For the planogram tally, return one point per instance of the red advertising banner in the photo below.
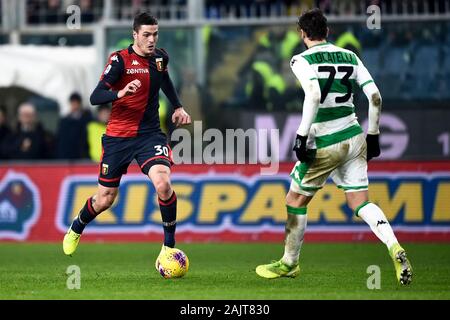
(38, 201)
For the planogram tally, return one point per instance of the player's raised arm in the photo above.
(112, 73)
(308, 79)
(365, 81)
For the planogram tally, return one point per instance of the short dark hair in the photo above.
(75, 97)
(103, 107)
(143, 19)
(314, 24)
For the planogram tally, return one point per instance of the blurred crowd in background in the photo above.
(410, 64)
(78, 134)
(54, 11)
(246, 67)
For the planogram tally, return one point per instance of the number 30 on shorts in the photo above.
(161, 150)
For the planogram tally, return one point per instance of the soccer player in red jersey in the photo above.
(132, 80)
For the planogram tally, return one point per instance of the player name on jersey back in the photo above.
(339, 73)
(331, 57)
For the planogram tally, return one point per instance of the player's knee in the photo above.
(354, 204)
(297, 200)
(289, 199)
(355, 199)
(163, 188)
(105, 202)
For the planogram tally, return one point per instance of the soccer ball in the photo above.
(172, 263)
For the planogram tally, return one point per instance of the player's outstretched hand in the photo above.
(129, 89)
(181, 117)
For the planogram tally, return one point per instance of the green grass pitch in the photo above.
(219, 271)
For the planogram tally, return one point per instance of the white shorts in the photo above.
(345, 162)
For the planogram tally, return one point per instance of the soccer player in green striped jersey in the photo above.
(330, 143)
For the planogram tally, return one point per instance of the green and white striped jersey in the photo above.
(339, 72)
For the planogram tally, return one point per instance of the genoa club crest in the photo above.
(105, 169)
(159, 64)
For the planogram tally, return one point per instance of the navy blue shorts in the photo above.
(118, 153)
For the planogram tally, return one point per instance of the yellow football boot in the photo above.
(70, 242)
(403, 268)
(277, 269)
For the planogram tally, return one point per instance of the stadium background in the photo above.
(230, 65)
(229, 62)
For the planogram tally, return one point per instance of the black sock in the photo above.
(169, 217)
(86, 215)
